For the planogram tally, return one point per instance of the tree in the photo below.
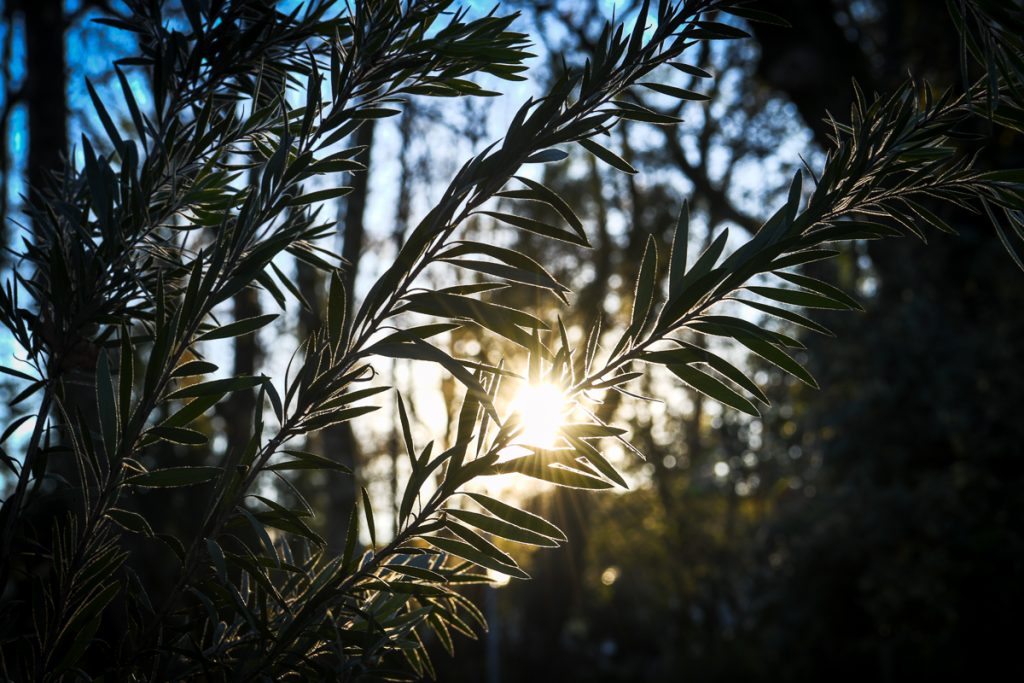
(137, 251)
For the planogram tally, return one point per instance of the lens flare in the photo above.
(541, 410)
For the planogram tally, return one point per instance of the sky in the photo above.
(92, 47)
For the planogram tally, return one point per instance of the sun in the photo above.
(540, 409)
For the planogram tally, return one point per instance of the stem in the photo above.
(14, 503)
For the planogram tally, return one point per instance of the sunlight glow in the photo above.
(541, 410)
(498, 579)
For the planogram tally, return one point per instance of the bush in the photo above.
(136, 250)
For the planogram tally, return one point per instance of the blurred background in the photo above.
(871, 529)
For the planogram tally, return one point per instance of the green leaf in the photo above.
(788, 315)
(192, 410)
(607, 156)
(337, 302)
(501, 319)
(680, 246)
(308, 461)
(174, 476)
(773, 354)
(823, 288)
(132, 521)
(717, 29)
(538, 227)
(368, 512)
(106, 404)
(597, 460)
(217, 386)
(546, 195)
(590, 430)
(796, 297)
(179, 435)
(193, 368)
(498, 527)
(678, 93)
(701, 269)
(126, 377)
(17, 373)
(238, 328)
(690, 70)
(758, 16)
(631, 111)
(520, 518)
(555, 466)
(320, 196)
(410, 448)
(689, 354)
(467, 552)
(515, 259)
(108, 124)
(421, 350)
(714, 388)
(643, 296)
(546, 156)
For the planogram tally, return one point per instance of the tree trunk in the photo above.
(339, 442)
(45, 89)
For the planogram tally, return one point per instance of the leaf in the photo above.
(351, 538)
(518, 261)
(689, 354)
(797, 297)
(132, 521)
(512, 274)
(714, 388)
(238, 328)
(526, 520)
(672, 91)
(498, 527)
(690, 70)
(538, 227)
(217, 386)
(193, 368)
(421, 350)
(701, 269)
(773, 354)
(410, 448)
(643, 296)
(368, 512)
(108, 124)
(788, 315)
(758, 16)
(320, 196)
(607, 156)
(504, 320)
(174, 476)
(597, 460)
(680, 246)
(553, 466)
(337, 302)
(468, 552)
(544, 194)
(179, 435)
(106, 405)
(17, 373)
(13, 426)
(308, 461)
(823, 288)
(192, 410)
(546, 156)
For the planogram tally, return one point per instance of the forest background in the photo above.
(870, 528)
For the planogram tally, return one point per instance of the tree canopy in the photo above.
(162, 239)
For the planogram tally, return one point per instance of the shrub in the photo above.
(136, 248)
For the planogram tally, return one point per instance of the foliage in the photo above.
(134, 251)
